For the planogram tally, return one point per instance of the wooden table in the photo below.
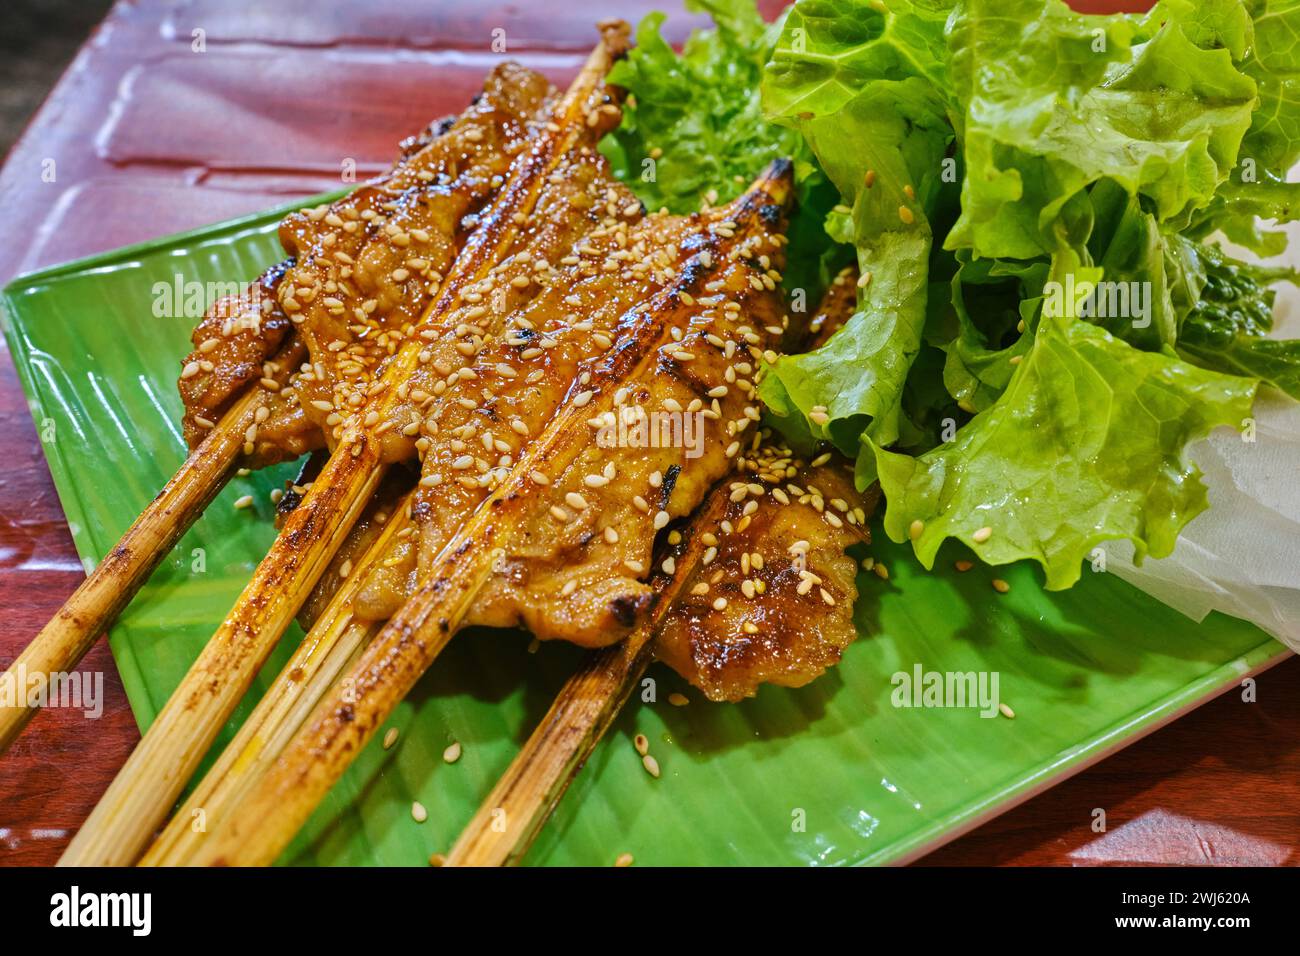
(175, 116)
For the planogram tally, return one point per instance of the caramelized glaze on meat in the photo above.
(771, 600)
(361, 271)
(576, 562)
(232, 342)
(835, 309)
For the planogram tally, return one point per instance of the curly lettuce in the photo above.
(1043, 323)
(1089, 150)
(1085, 446)
(694, 132)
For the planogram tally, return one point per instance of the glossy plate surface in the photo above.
(832, 773)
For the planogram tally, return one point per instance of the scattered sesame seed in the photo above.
(390, 738)
(624, 859)
(418, 813)
(1001, 586)
(963, 565)
(651, 765)
(982, 535)
(1006, 712)
(678, 700)
(452, 753)
(244, 501)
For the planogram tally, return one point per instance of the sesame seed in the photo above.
(452, 753)
(642, 744)
(678, 700)
(916, 529)
(1006, 711)
(624, 859)
(651, 765)
(245, 501)
(982, 535)
(390, 738)
(1001, 586)
(418, 813)
(575, 501)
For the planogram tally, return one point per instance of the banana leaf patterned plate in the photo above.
(833, 773)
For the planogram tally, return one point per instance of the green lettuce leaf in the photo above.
(862, 83)
(693, 130)
(1085, 446)
(1054, 101)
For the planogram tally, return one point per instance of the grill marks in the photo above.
(360, 274)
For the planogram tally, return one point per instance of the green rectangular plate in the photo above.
(828, 774)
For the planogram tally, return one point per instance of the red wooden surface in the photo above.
(150, 137)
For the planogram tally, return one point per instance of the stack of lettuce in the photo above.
(1043, 326)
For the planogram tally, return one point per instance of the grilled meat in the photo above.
(233, 342)
(771, 601)
(576, 565)
(361, 272)
(835, 309)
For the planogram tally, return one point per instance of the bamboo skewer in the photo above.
(150, 781)
(332, 643)
(509, 819)
(138, 800)
(99, 599)
(277, 807)
(513, 814)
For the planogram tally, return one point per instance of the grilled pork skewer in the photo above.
(236, 403)
(366, 442)
(713, 626)
(299, 680)
(719, 650)
(537, 528)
